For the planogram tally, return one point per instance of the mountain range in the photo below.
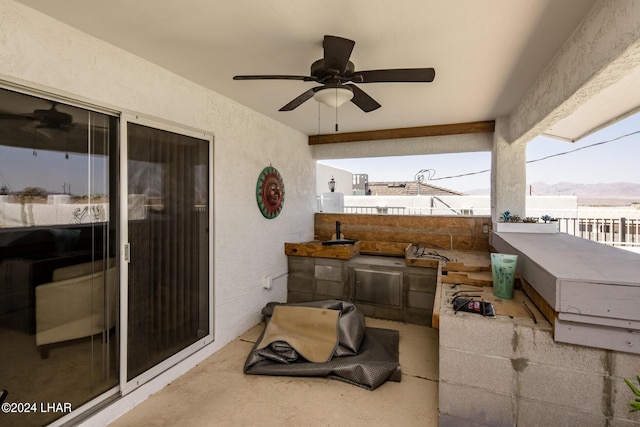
(615, 193)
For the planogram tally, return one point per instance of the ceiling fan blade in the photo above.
(10, 116)
(417, 75)
(362, 100)
(295, 103)
(275, 77)
(337, 51)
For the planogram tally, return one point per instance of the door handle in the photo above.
(127, 252)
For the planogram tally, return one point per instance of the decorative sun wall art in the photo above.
(270, 192)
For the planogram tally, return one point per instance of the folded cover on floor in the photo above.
(308, 331)
(364, 356)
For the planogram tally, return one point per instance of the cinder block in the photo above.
(475, 334)
(332, 289)
(451, 421)
(581, 391)
(617, 422)
(475, 406)
(626, 365)
(296, 283)
(539, 347)
(298, 297)
(331, 262)
(418, 316)
(328, 272)
(491, 373)
(533, 413)
(621, 395)
(302, 265)
(554, 383)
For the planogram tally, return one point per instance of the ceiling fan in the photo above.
(50, 129)
(334, 71)
(45, 119)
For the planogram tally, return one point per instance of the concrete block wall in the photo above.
(506, 371)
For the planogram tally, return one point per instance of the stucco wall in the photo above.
(343, 179)
(602, 50)
(508, 173)
(39, 52)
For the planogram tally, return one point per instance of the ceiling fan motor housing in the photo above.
(319, 71)
(53, 118)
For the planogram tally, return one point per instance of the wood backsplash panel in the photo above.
(447, 232)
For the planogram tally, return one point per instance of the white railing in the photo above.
(611, 231)
(60, 211)
(610, 226)
(400, 210)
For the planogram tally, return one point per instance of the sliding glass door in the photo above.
(106, 250)
(168, 232)
(58, 257)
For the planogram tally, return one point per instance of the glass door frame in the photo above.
(127, 386)
(57, 96)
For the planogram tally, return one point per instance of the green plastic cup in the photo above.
(503, 269)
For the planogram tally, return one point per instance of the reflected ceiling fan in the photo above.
(40, 124)
(335, 72)
(51, 119)
(55, 130)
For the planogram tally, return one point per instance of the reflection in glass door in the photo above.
(168, 224)
(58, 279)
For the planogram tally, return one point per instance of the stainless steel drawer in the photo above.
(378, 287)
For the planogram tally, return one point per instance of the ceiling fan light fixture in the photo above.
(333, 97)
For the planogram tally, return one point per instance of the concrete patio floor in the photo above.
(217, 393)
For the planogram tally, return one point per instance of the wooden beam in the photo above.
(413, 132)
(541, 304)
(435, 317)
(318, 250)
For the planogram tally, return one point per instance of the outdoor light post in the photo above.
(332, 185)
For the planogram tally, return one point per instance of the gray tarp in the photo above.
(366, 357)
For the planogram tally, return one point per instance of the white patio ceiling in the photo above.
(486, 54)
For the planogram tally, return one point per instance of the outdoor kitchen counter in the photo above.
(518, 307)
(591, 289)
(512, 369)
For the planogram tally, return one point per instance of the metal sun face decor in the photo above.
(270, 192)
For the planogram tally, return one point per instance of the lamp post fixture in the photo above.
(332, 185)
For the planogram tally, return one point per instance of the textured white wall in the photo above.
(508, 173)
(603, 50)
(42, 53)
(343, 178)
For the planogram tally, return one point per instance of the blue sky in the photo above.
(616, 161)
(51, 170)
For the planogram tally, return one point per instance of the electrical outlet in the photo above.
(266, 282)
